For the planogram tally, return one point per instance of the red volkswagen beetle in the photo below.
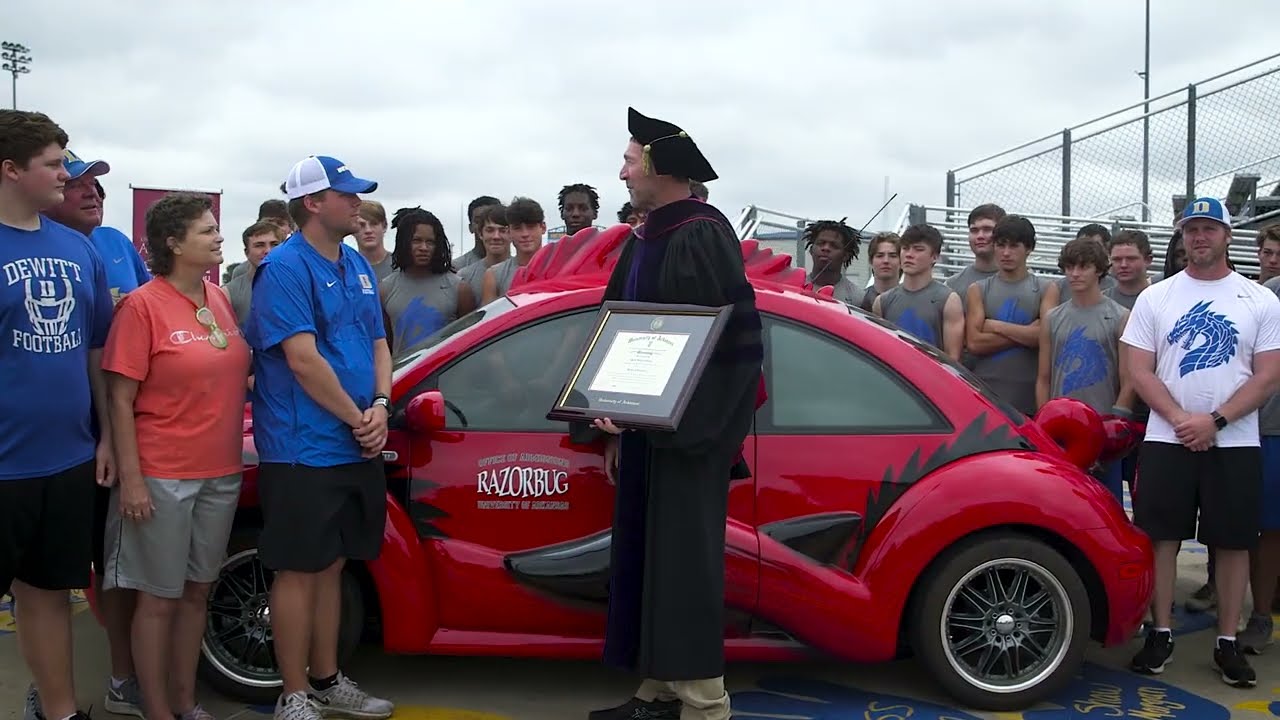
(895, 506)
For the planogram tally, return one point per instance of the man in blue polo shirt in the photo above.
(322, 372)
(81, 210)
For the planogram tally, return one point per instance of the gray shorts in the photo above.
(185, 540)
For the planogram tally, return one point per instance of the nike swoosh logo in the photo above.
(331, 283)
(118, 260)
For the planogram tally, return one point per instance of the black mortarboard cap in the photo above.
(667, 149)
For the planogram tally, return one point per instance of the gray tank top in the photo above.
(869, 298)
(1085, 346)
(382, 269)
(473, 275)
(1125, 301)
(417, 306)
(1011, 373)
(240, 290)
(918, 312)
(844, 291)
(470, 257)
(961, 281)
(1107, 283)
(503, 273)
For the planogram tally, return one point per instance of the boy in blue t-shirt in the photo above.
(55, 311)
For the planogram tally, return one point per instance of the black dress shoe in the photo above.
(637, 709)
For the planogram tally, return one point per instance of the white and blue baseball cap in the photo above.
(1206, 207)
(320, 172)
(76, 167)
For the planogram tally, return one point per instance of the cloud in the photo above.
(802, 106)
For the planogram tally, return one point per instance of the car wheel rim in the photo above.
(1007, 625)
(237, 636)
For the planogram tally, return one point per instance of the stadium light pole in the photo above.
(16, 61)
(1146, 120)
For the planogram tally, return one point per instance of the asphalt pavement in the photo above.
(453, 688)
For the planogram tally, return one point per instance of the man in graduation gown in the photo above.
(666, 603)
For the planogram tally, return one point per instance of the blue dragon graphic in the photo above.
(417, 322)
(1084, 361)
(1220, 338)
(914, 324)
(1010, 312)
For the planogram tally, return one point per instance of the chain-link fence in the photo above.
(1218, 137)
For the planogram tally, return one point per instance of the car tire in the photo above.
(1027, 643)
(237, 657)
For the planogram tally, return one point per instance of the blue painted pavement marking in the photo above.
(1097, 692)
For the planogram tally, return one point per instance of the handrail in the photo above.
(1157, 229)
(1144, 102)
(1104, 213)
(1235, 170)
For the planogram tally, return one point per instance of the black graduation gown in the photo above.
(666, 604)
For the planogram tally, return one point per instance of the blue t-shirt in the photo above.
(297, 290)
(54, 308)
(125, 269)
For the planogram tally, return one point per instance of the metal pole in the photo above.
(1191, 143)
(16, 59)
(1066, 172)
(1146, 122)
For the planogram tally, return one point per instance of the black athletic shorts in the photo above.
(312, 516)
(46, 527)
(1223, 484)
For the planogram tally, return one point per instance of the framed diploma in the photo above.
(640, 364)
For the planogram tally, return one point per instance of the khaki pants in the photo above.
(703, 699)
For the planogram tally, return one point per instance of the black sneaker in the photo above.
(1156, 652)
(1236, 671)
(637, 709)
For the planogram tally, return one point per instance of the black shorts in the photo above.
(1223, 484)
(312, 516)
(46, 530)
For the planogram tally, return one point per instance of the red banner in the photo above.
(144, 198)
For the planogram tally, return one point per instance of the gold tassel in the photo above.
(646, 162)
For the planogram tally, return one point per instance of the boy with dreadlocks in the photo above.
(579, 207)
(832, 246)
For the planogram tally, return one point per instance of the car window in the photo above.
(820, 384)
(511, 383)
(472, 319)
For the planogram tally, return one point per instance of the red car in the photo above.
(896, 506)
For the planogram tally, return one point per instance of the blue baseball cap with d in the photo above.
(76, 167)
(1206, 207)
(320, 172)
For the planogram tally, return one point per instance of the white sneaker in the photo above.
(347, 700)
(296, 706)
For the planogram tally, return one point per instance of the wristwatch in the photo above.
(382, 400)
(1218, 421)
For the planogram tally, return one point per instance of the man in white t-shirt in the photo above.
(1203, 350)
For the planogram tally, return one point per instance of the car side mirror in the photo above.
(425, 412)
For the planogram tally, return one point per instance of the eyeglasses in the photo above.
(217, 338)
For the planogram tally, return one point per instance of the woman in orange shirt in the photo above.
(177, 369)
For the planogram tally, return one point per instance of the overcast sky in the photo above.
(803, 106)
